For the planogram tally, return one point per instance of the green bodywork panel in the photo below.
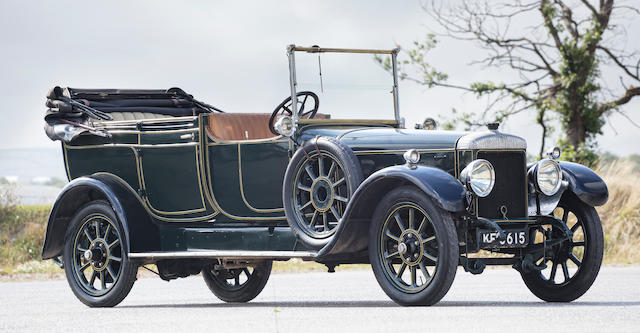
(205, 194)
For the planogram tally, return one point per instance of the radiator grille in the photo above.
(510, 189)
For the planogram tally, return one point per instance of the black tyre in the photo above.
(318, 184)
(576, 260)
(237, 285)
(95, 259)
(413, 247)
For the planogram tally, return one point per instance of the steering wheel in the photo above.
(304, 110)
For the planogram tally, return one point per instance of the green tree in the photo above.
(557, 62)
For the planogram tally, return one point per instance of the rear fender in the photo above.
(352, 234)
(140, 233)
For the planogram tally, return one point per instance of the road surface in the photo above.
(347, 301)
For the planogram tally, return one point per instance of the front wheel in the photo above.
(237, 285)
(413, 248)
(95, 260)
(573, 265)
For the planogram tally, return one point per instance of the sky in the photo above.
(230, 54)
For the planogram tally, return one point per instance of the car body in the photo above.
(194, 189)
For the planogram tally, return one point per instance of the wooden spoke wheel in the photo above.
(96, 263)
(573, 264)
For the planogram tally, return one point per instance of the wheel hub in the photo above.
(410, 247)
(322, 194)
(97, 254)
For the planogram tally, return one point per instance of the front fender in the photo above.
(352, 233)
(585, 183)
(140, 233)
(446, 191)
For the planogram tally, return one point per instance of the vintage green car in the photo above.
(158, 177)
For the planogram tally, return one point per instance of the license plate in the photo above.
(515, 238)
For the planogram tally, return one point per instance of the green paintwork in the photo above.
(175, 178)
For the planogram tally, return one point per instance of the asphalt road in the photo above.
(348, 301)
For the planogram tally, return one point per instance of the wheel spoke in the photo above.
(580, 243)
(392, 255)
(320, 166)
(401, 270)
(103, 281)
(304, 188)
(106, 232)
(332, 169)
(575, 259)
(236, 279)
(399, 221)
(86, 233)
(310, 172)
(411, 213)
(305, 205)
(324, 221)
(338, 182)
(430, 257)
(115, 242)
(423, 268)
(554, 268)
(427, 240)
(111, 273)
(93, 278)
(388, 234)
(115, 258)
(81, 249)
(313, 219)
(424, 219)
(335, 213)
(97, 225)
(565, 215)
(84, 267)
(246, 272)
(413, 276)
(341, 198)
(575, 226)
(565, 271)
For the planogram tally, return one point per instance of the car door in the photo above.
(246, 178)
(170, 169)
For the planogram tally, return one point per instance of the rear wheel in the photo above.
(95, 260)
(238, 285)
(413, 248)
(573, 265)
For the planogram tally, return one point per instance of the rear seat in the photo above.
(239, 126)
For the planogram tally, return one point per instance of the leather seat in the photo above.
(239, 126)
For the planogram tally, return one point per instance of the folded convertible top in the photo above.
(71, 102)
(78, 106)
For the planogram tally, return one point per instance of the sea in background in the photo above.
(36, 174)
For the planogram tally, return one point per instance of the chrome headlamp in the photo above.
(547, 176)
(479, 177)
(285, 126)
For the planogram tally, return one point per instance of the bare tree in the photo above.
(558, 61)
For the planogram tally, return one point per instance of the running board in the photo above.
(227, 254)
